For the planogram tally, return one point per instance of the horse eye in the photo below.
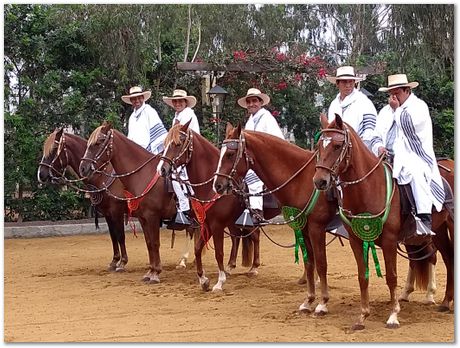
(229, 155)
(337, 147)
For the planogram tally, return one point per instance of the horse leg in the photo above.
(113, 237)
(234, 235)
(357, 248)
(255, 239)
(203, 280)
(389, 253)
(188, 244)
(445, 246)
(120, 233)
(409, 287)
(318, 241)
(218, 238)
(152, 242)
(306, 306)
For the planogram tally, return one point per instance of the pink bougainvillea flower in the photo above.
(239, 55)
(298, 77)
(281, 85)
(281, 57)
(322, 72)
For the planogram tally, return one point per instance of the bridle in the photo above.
(345, 152)
(60, 148)
(106, 148)
(240, 146)
(186, 146)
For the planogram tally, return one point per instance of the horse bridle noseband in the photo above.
(239, 145)
(60, 147)
(106, 148)
(345, 152)
(186, 147)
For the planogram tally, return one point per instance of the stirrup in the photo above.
(422, 229)
(181, 221)
(245, 220)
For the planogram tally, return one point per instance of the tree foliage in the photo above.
(68, 65)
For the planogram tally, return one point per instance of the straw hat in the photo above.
(135, 92)
(398, 81)
(253, 92)
(180, 94)
(344, 73)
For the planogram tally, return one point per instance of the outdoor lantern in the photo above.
(218, 95)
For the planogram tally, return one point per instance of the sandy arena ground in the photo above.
(58, 290)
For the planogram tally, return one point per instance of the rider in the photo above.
(261, 120)
(407, 135)
(355, 108)
(144, 126)
(182, 104)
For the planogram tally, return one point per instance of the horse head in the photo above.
(178, 149)
(233, 162)
(334, 149)
(98, 150)
(54, 160)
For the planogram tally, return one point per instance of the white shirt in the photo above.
(186, 115)
(146, 129)
(263, 121)
(358, 111)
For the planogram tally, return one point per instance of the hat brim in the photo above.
(127, 98)
(410, 84)
(265, 99)
(333, 79)
(191, 100)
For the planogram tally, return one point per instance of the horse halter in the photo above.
(345, 152)
(240, 146)
(186, 146)
(60, 148)
(106, 149)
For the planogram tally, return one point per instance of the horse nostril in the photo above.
(219, 188)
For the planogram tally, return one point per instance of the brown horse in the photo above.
(287, 170)
(365, 187)
(150, 200)
(61, 150)
(183, 147)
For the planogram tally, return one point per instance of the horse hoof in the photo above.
(111, 268)
(252, 273)
(304, 311)
(154, 281)
(302, 281)
(392, 326)
(205, 285)
(320, 313)
(120, 269)
(443, 309)
(403, 299)
(146, 278)
(357, 327)
(181, 266)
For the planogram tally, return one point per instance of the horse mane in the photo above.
(94, 135)
(49, 143)
(173, 135)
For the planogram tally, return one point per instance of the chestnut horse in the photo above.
(366, 187)
(287, 170)
(64, 149)
(150, 201)
(184, 147)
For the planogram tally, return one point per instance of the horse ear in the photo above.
(338, 121)
(323, 120)
(106, 125)
(228, 129)
(185, 126)
(238, 129)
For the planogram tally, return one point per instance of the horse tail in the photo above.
(96, 217)
(248, 251)
(420, 264)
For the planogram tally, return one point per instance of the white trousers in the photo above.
(422, 193)
(180, 189)
(255, 185)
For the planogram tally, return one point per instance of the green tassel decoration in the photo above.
(289, 214)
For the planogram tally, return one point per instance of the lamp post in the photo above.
(217, 95)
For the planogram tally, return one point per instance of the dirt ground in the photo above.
(58, 290)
